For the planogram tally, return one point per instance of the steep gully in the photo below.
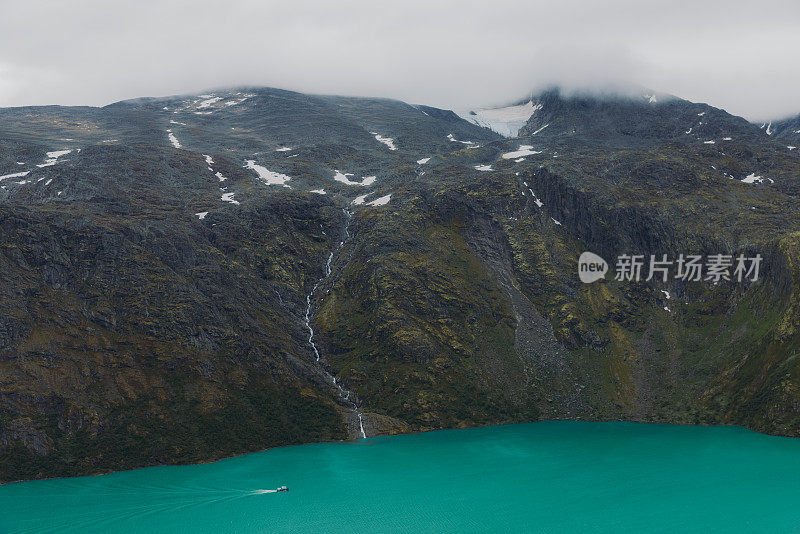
(344, 394)
(550, 381)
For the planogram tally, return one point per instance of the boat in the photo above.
(283, 488)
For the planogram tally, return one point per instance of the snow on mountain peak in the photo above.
(506, 121)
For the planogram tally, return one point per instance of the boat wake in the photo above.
(122, 503)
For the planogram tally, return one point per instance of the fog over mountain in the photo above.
(731, 54)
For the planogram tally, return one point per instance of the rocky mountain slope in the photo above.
(788, 129)
(160, 260)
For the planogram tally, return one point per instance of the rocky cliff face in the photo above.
(788, 129)
(160, 255)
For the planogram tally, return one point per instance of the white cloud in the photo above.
(730, 53)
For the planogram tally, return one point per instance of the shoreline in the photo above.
(399, 434)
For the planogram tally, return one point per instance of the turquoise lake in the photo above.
(541, 477)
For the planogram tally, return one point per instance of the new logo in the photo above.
(591, 267)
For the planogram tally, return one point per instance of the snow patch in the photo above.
(388, 141)
(210, 162)
(267, 176)
(228, 197)
(423, 161)
(318, 191)
(524, 150)
(360, 199)
(201, 215)
(536, 200)
(507, 121)
(241, 98)
(14, 175)
(752, 179)
(173, 139)
(382, 201)
(343, 177)
(471, 144)
(483, 168)
(540, 129)
(52, 157)
(209, 102)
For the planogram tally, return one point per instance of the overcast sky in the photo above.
(743, 56)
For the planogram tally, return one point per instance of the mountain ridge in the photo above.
(158, 273)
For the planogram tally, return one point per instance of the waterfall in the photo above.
(344, 394)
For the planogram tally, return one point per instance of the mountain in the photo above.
(788, 129)
(197, 276)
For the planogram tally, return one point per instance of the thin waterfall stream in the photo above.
(344, 394)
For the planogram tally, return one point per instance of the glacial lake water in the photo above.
(541, 477)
